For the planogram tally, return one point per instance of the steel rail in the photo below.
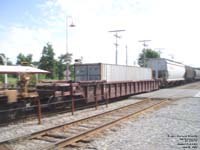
(63, 125)
(72, 140)
(116, 116)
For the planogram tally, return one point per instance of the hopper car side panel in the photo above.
(175, 71)
(189, 73)
(167, 70)
(197, 74)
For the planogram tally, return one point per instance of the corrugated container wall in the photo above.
(110, 72)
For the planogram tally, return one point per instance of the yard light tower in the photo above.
(68, 55)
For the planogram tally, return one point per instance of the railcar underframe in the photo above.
(62, 94)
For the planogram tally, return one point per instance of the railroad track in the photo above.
(65, 135)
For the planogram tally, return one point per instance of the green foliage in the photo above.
(24, 60)
(11, 80)
(41, 77)
(147, 53)
(1, 60)
(60, 67)
(71, 68)
(1, 78)
(47, 61)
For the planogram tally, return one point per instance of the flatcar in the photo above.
(96, 81)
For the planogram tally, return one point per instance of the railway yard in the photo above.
(66, 88)
(165, 119)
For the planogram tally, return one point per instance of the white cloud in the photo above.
(172, 25)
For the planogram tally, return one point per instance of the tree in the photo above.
(147, 53)
(60, 67)
(3, 63)
(24, 60)
(71, 69)
(1, 60)
(47, 61)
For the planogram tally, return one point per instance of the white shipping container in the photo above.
(167, 69)
(111, 72)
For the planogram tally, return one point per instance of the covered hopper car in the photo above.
(197, 74)
(172, 72)
(169, 71)
(189, 73)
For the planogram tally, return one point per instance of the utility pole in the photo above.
(145, 45)
(68, 55)
(116, 43)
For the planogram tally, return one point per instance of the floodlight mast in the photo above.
(68, 55)
(116, 43)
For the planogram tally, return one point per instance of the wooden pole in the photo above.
(72, 99)
(39, 110)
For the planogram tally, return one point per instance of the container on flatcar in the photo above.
(110, 72)
(166, 69)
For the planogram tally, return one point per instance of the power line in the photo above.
(116, 43)
(144, 43)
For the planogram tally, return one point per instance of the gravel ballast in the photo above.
(23, 128)
(173, 127)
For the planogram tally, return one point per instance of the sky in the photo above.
(173, 26)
